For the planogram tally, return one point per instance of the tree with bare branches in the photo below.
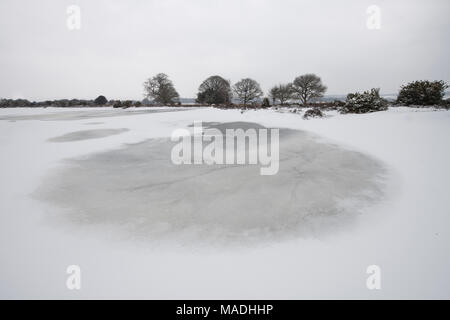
(282, 93)
(307, 87)
(247, 90)
(214, 90)
(161, 89)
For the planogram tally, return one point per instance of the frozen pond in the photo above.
(320, 188)
(348, 195)
(87, 134)
(87, 114)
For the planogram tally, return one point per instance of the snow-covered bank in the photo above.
(407, 235)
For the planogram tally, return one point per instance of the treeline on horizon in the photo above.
(304, 91)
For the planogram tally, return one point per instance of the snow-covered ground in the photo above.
(406, 234)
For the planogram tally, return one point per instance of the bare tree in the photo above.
(273, 94)
(247, 90)
(307, 87)
(161, 89)
(214, 90)
(281, 92)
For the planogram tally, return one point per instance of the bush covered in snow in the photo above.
(368, 101)
(313, 113)
(127, 104)
(100, 100)
(422, 93)
(265, 103)
(62, 103)
(11, 103)
(445, 104)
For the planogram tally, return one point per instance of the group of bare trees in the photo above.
(303, 88)
(217, 90)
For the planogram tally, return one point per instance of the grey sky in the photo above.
(121, 43)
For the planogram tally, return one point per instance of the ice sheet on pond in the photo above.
(87, 134)
(88, 114)
(320, 189)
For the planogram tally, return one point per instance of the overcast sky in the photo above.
(121, 43)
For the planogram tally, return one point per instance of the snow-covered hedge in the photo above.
(423, 93)
(368, 101)
(313, 113)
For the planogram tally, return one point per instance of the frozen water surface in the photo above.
(87, 114)
(320, 188)
(87, 134)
